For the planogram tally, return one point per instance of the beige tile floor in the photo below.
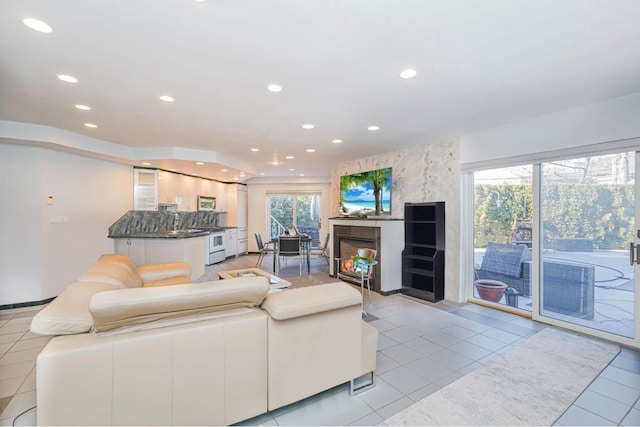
(422, 348)
(18, 351)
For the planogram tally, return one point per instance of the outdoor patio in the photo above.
(613, 307)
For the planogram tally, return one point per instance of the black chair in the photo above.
(289, 247)
(264, 249)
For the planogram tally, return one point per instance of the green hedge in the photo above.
(602, 213)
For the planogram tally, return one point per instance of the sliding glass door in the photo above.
(502, 236)
(553, 239)
(587, 223)
(289, 210)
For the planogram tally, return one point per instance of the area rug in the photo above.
(531, 384)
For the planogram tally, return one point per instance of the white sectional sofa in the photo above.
(210, 353)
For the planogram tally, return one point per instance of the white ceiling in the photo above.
(480, 64)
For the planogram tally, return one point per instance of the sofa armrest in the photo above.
(166, 270)
(310, 300)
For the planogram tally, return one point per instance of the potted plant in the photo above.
(490, 290)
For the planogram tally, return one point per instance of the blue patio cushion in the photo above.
(505, 259)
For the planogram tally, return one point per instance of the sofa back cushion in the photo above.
(69, 312)
(114, 269)
(111, 310)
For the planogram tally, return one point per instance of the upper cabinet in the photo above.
(183, 191)
(145, 189)
(237, 200)
(167, 187)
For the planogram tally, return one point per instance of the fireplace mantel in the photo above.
(391, 246)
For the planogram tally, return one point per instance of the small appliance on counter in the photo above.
(206, 203)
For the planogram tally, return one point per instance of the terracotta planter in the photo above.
(490, 290)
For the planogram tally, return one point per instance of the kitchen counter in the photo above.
(181, 234)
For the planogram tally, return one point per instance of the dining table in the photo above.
(305, 241)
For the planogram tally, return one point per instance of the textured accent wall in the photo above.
(425, 173)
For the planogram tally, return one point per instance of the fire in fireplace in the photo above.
(346, 242)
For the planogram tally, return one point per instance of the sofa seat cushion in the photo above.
(311, 300)
(111, 310)
(179, 280)
(114, 273)
(167, 270)
(69, 312)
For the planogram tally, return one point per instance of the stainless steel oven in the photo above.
(215, 247)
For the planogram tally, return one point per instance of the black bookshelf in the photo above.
(423, 255)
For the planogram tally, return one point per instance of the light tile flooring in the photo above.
(422, 348)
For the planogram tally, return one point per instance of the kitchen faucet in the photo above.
(176, 219)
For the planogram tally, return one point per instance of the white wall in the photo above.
(611, 120)
(257, 207)
(425, 173)
(39, 259)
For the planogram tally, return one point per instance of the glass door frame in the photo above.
(294, 195)
(467, 237)
(536, 313)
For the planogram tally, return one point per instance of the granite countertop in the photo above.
(181, 234)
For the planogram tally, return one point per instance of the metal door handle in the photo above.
(634, 253)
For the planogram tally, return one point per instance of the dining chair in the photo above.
(263, 248)
(289, 247)
(324, 249)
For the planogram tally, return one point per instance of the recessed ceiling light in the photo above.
(83, 107)
(255, 149)
(275, 163)
(289, 157)
(166, 98)
(224, 170)
(308, 126)
(37, 25)
(274, 88)
(146, 164)
(242, 175)
(235, 178)
(311, 150)
(199, 163)
(337, 141)
(67, 78)
(301, 174)
(262, 173)
(91, 125)
(292, 169)
(374, 128)
(409, 73)
(200, 1)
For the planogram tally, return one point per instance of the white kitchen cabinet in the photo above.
(237, 201)
(145, 189)
(153, 251)
(167, 187)
(221, 196)
(230, 242)
(186, 193)
(243, 241)
(133, 248)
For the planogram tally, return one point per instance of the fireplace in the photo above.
(348, 239)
